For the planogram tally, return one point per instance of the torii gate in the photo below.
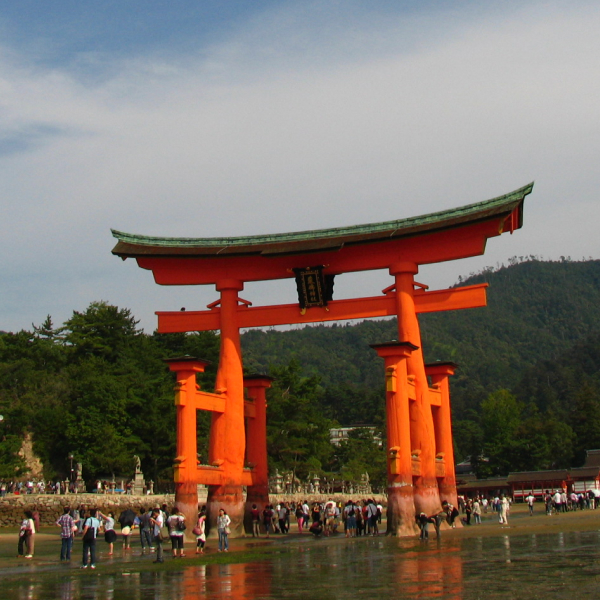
(419, 437)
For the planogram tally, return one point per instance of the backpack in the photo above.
(180, 524)
(90, 534)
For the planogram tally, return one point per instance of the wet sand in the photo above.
(520, 523)
(468, 562)
(47, 545)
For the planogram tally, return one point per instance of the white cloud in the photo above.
(254, 136)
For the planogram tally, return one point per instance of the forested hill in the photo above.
(525, 396)
(536, 310)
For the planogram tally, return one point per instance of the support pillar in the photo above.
(256, 446)
(401, 506)
(426, 493)
(227, 435)
(186, 466)
(442, 421)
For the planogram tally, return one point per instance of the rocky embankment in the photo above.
(50, 506)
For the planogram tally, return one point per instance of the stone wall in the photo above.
(50, 506)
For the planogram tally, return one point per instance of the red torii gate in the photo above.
(419, 436)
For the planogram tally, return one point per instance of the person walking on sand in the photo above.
(67, 530)
(477, 511)
(176, 525)
(145, 531)
(423, 523)
(26, 535)
(110, 535)
(255, 516)
(268, 518)
(530, 502)
(350, 519)
(299, 512)
(372, 513)
(157, 522)
(200, 531)
(90, 530)
(223, 522)
(437, 521)
(503, 514)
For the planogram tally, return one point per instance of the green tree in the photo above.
(584, 418)
(500, 419)
(541, 442)
(362, 452)
(297, 431)
(101, 330)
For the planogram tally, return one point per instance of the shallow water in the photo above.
(529, 566)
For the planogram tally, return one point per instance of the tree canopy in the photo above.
(525, 395)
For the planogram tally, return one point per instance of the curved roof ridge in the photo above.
(394, 226)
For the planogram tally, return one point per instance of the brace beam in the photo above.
(472, 296)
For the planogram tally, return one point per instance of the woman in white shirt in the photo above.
(176, 525)
(110, 535)
(223, 522)
(26, 535)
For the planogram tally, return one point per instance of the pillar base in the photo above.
(427, 497)
(448, 492)
(401, 511)
(229, 498)
(186, 501)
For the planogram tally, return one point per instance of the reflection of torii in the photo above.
(138, 463)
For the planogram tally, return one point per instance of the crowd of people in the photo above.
(471, 508)
(41, 486)
(559, 501)
(154, 527)
(31, 486)
(158, 525)
(319, 518)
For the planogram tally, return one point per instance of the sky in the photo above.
(207, 118)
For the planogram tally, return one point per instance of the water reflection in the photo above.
(452, 569)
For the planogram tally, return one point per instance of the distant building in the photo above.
(339, 434)
(468, 485)
(521, 484)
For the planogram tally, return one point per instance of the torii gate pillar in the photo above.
(422, 435)
(442, 418)
(186, 463)
(401, 506)
(227, 435)
(256, 445)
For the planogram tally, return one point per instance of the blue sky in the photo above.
(231, 118)
(61, 31)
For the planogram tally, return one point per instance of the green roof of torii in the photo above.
(131, 245)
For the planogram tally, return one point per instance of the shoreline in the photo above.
(47, 543)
